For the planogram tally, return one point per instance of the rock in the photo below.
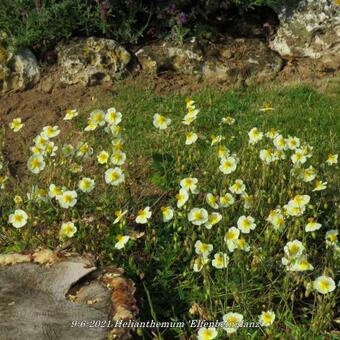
(44, 293)
(231, 60)
(164, 56)
(240, 60)
(18, 71)
(309, 28)
(92, 61)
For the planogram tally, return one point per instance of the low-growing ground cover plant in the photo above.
(221, 206)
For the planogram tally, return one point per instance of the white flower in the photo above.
(280, 142)
(294, 249)
(319, 185)
(16, 124)
(226, 200)
(97, 118)
(228, 165)
(213, 219)
(324, 284)
(121, 241)
(119, 215)
(67, 199)
(68, 229)
(182, 198)
(267, 156)
(254, 135)
(220, 260)
(36, 164)
(238, 187)
(18, 219)
(70, 114)
(161, 122)
(299, 157)
(332, 159)
(212, 200)
(232, 322)
(198, 216)
(103, 157)
(114, 176)
(207, 333)
(245, 224)
(143, 215)
(293, 143)
(189, 184)
(312, 225)
(267, 318)
(199, 263)
(113, 117)
(50, 132)
(191, 138)
(167, 213)
(231, 237)
(118, 158)
(86, 184)
(54, 191)
(203, 249)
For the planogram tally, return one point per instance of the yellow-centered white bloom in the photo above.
(280, 142)
(226, 200)
(50, 131)
(272, 133)
(191, 138)
(182, 198)
(91, 126)
(248, 200)
(198, 216)
(70, 114)
(117, 144)
(277, 219)
(267, 155)
(51, 149)
(36, 150)
(331, 236)
(213, 219)
(266, 107)
(299, 157)
(299, 201)
(215, 139)
(231, 236)
(267, 318)
(121, 241)
(84, 150)
(68, 229)
(18, 219)
(67, 199)
(119, 215)
(294, 249)
(319, 185)
(86, 184)
(167, 213)
(36, 164)
(246, 224)
(212, 200)
(118, 158)
(228, 120)
(293, 143)
(220, 261)
(97, 117)
(41, 141)
(161, 122)
(312, 225)
(189, 184)
(228, 165)
(199, 263)
(203, 249)
(114, 176)
(238, 187)
(54, 190)
(223, 152)
(103, 157)
(143, 215)
(332, 159)
(232, 321)
(255, 135)
(207, 333)
(309, 174)
(324, 284)
(112, 116)
(300, 265)
(242, 244)
(16, 124)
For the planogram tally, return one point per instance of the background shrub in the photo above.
(40, 24)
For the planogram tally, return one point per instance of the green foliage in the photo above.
(40, 24)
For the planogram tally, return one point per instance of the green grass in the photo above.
(160, 261)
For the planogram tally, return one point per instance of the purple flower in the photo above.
(182, 18)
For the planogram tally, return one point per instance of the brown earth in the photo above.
(46, 105)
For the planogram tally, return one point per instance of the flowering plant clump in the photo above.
(240, 227)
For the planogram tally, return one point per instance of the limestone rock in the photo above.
(18, 71)
(92, 61)
(309, 28)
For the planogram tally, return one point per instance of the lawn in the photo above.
(241, 235)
